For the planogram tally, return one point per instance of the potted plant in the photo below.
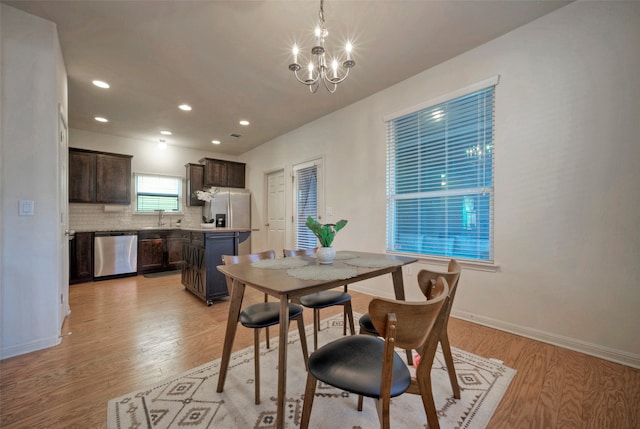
(325, 234)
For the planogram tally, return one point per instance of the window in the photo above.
(440, 177)
(158, 193)
(306, 201)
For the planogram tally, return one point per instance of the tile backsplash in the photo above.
(101, 217)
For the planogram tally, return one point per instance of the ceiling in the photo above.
(229, 59)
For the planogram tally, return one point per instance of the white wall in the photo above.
(567, 204)
(33, 87)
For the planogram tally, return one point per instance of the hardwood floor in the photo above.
(127, 333)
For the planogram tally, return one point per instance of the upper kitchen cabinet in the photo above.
(99, 177)
(195, 182)
(82, 167)
(218, 172)
(235, 174)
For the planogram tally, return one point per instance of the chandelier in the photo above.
(318, 70)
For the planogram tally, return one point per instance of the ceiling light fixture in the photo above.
(318, 69)
(101, 119)
(101, 84)
(166, 133)
(215, 141)
(244, 122)
(184, 107)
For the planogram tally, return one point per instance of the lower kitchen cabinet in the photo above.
(160, 250)
(202, 255)
(81, 258)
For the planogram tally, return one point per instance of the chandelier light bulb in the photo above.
(295, 54)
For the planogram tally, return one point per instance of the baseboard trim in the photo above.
(606, 353)
(21, 349)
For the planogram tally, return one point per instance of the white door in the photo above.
(308, 200)
(63, 228)
(275, 211)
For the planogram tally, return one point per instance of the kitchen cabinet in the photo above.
(160, 250)
(222, 173)
(202, 255)
(99, 177)
(81, 258)
(235, 174)
(195, 182)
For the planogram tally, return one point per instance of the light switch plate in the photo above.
(27, 207)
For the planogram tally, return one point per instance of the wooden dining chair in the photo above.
(324, 299)
(370, 366)
(264, 314)
(426, 280)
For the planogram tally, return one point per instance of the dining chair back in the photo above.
(324, 299)
(428, 285)
(370, 366)
(263, 315)
(426, 279)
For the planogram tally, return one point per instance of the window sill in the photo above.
(491, 267)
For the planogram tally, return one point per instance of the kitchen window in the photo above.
(440, 170)
(158, 193)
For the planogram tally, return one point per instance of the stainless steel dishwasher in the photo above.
(115, 254)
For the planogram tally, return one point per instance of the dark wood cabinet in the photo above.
(113, 179)
(160, 250)
(81, 258)
(195, 182)
(202, 255)
(218, 172)
(150, 254)
(99, 177)
(174, 250)
(235, 174)
(82, 173)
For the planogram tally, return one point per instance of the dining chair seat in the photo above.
(324, 299)
(353, 364)
(367, 325)
(266, 314)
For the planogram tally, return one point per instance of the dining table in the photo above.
(290, 278)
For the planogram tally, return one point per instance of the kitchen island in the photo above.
(203, 252)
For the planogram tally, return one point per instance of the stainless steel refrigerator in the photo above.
(231, 208)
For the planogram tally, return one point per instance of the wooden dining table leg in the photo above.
(282, 360)
(237, 294)
(398, 288)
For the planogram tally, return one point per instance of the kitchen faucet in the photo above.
(160, 216)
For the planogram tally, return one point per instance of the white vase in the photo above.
(326, 255)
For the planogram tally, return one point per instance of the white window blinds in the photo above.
(306, 205)
(440, 178)
(157, 193)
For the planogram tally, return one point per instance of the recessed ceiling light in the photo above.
(101, 119)
(166, 133)
(244, 122)
(185, 107)
(101, 84)
(215, 141)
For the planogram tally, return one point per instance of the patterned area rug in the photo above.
(189, 400)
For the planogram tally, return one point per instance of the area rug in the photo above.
(190, 400)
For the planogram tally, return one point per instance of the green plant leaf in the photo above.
(325, 233)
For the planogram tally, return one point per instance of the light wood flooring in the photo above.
(127, 333)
